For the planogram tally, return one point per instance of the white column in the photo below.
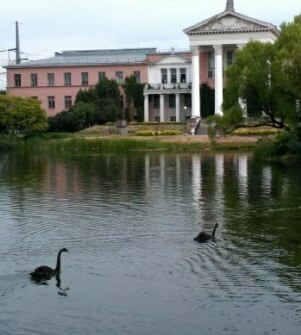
(168, 76)
(162, 108)
(146, 108)
(178, 107)
(218, 58)
(195, 63)
(178, 76)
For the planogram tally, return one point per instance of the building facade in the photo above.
(220, 36)
(172, 79)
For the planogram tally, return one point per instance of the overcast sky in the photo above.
(48, 26)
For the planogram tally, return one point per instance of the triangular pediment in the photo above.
(229, 22)
(172, 59)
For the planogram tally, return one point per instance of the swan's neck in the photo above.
(213, 233)
(58, 262)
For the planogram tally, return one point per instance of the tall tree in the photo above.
(134, 98)
(287, 65)
(267, 77)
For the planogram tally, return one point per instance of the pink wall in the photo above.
(204, 70)
(59, 91)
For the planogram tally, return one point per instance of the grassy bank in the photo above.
(119, 144)
(96, 142)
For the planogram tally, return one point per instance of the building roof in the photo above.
(90, 57)
(230, 22)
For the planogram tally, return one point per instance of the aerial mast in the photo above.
(18, 57)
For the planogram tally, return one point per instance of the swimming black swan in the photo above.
(44, 272)
(205, 237)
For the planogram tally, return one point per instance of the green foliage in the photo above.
(287, 143)
(88, 96)
(250, 77)
(207, 100)
(255, 132)
(2, 92)
(288, 56)
(226, 123)
(21, 116)
(96, 105)
(78, 117)
(267, 77)
(134, 98)
(157, 132)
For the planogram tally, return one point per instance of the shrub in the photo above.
(255, 132)
(157, 132)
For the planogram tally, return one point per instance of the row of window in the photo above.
(156, 101)
(68, 78)
(171, 100)
(51, 102)
(173, 73)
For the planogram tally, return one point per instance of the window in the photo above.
(172, 118)
(163, 76)
(17, 79)
(211, 67)
(183, 75)
(33, 79)
(173, 76)
(172, 100)
(51, 102)
(68, 102)
(119, 77)
(50, 79)
(230, 57)
(137, 76)
(67, 78)
(85, 78)
(156, 101)
(101, 75)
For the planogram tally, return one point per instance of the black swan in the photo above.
(44, 272)
(205, 237)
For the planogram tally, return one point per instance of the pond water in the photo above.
(133, 266)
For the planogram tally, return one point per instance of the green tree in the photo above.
(134, 98)
(287, 67)
(251, 78)
(78, 117)
(21, 116)
(88, 96)
(207, 100)
(105, 97)
(267, 77)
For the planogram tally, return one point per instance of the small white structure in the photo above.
(167, 96)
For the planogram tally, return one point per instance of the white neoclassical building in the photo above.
(167, 96)
(216, 40)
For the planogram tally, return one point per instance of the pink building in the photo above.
(56, 80)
